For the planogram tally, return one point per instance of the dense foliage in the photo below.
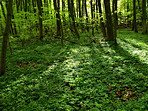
(45, 76)
(73, 55)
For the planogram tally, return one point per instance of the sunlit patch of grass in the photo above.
(135, 52)
(136, 44)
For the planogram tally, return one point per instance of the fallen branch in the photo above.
(67, 40)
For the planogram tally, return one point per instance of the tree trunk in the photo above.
(39, 3)
(128, 21)
(5, 38)
(101, 20)
(71, 14)
(83, 8)
(115, 20)
(86, 12)
(134, 16)
(80, 12)
(109, 24)
(59, 24)
(144, 25)
(1, 25)
(92, 16)
(63, 10)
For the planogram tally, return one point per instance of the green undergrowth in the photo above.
(47, 77)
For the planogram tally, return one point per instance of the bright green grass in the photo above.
(49, 77)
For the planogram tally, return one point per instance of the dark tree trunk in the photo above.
(72, 15)
(86, 16)
(80, 12)
(1, 26)
(83, 8)
(39, 3)
(97, 16)
(115, 20)
(128, 21)
(59, 24)
(57, 17)
(63, 10)
(144, 25)
(14, 25)
(101, 20)
(92, 16)
(134, 16)
(5, 38)
(109, 24)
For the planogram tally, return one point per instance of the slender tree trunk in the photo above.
(109, 24)
(59, 24)
(39, 3)
(1, 25)
(144, 25)
(3, 10)
(5, 38)
(101, 20)
(86, 12)
(57, 17)
(128, 21)
(92, 16)
(134, 16)
(80, 12)
(71, 14)
(63, 10)
(97, 16)
(14, 25)
(83, 8)
(115, 20)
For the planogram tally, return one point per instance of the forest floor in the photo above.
(44, 76)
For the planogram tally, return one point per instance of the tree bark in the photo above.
(109, 24)
(39, 3)
(63, 10)
(92, 16)
(1, 26)
(80, 12)
(101, 20)
(144, 25)
(72, 15)
(59, 24)
(115, 20)
(134, 16)
(86, 12)
(5, 38)
(128, 21)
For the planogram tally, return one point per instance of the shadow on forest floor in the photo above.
(93, 77)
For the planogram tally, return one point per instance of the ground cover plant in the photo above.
(43, 76)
